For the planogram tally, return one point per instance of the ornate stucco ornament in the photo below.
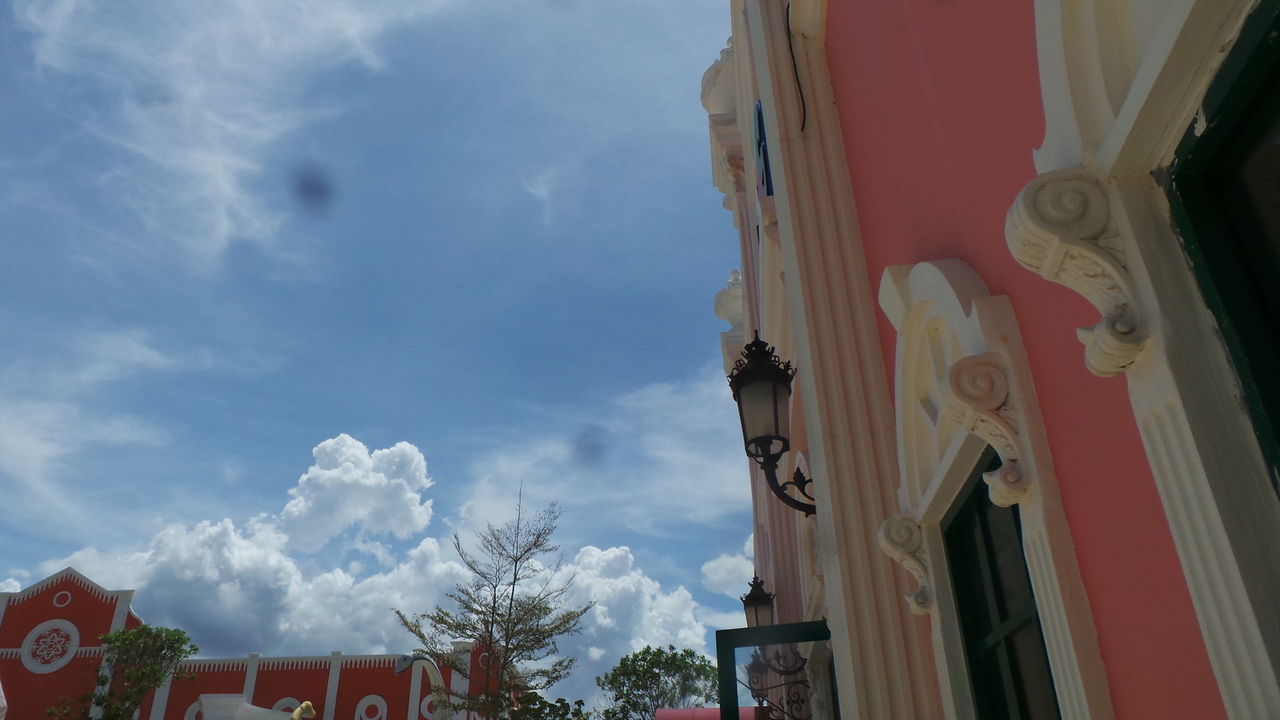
(978, 401)
(1060, 227)
(960, 371)
(902, 540)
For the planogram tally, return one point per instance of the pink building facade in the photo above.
(1024, 362)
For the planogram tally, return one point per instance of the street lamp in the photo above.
(758, 604)
(761, 385)
(773, 664)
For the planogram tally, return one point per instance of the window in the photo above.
(764, 177)
(1003, 643)
(1226, 202)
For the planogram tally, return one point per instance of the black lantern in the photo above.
(758, 604)
(761, 385)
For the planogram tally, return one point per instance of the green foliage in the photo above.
(512, 608)
(532, 706)
(649, 679)
(135, 663)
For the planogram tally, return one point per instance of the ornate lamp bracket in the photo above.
(1060, 228)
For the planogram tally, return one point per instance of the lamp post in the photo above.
(776, 669)
(758, 604)
(761, 385)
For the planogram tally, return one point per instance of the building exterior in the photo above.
(49, 650)
(1024, 258)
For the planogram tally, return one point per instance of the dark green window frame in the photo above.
(1008, 665)
(764, 173)
(1235, 264)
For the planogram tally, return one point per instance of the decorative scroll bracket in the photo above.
(902, 539)
(978, 400)
(1060, 228)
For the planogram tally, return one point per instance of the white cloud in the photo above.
(10, 585)
(240, 587)
(727, 574)
(720, 619)
(48, 416)
(37, 435)
(237, 590)
(348, 486)
(114, 355)
(198, 91)
(542, 186)
(631, 611)
(681, 463)
(689, 434)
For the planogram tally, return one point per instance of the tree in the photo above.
(136, 662)
(532, 706)
(653, 678)
(512, 608)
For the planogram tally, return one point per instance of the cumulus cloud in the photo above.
(236, 589)
(350, 486)
(196, 92)
(725, 574)
(242, 587)
(625, 597)
(631, 610)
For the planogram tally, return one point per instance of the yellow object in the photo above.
(304, 711)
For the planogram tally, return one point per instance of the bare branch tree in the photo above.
(512, 608)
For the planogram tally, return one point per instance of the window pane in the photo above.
(1008, 667)
(990, 696)
(1013, 584)
(965, 552)
(1031, 665)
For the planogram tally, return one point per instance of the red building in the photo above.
(49, 649)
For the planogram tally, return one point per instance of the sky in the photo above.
(291, 292)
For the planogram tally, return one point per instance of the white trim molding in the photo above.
(963, 384)
(1122, 83)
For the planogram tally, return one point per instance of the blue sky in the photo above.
(292, 291)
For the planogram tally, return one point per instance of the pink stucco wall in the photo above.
(940, 110)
